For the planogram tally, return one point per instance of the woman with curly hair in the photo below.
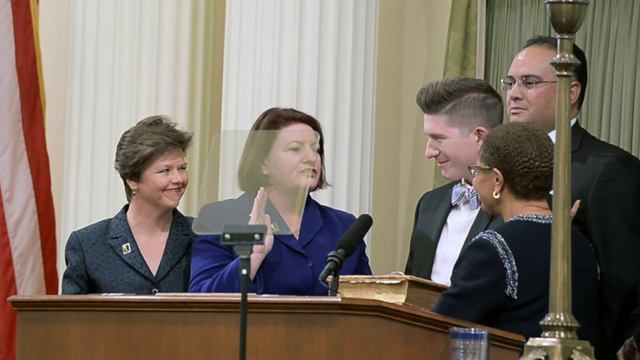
(502, 277)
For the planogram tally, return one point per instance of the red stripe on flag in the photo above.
(34, 135)
(7, 287)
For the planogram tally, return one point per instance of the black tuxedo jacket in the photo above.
(431, 215)
(607, 181)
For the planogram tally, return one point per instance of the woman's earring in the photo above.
(496, 194)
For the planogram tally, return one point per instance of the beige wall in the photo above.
(205, 98)
(54, 46)
(411, 46)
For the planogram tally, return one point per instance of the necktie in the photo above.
(465, 195)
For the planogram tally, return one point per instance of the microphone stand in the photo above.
(335, 282)
(244, 253)
(242, 238)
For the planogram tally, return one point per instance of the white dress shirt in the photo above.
(452, 238)
(552, 134)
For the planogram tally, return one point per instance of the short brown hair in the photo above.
(140, 145)
(524, 155)
(257, 147)
(467, 102)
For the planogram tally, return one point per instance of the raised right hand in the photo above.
(258, 216)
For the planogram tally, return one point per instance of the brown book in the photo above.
(399, 289)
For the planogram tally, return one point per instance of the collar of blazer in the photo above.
(311, 221)
(178, 244)
(577, 135)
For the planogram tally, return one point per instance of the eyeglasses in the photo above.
(474, 169)
(528, 82)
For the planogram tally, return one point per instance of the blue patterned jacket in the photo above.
(104, 258)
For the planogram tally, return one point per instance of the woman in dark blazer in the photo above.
(282, 160)
(501, 278)
(146, 247)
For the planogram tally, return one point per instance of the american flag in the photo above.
(27, 222)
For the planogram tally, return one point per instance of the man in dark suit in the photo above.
(458, 113)
(605, 178)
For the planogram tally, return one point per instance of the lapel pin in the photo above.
(126, 248)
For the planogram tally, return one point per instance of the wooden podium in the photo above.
(206, 326)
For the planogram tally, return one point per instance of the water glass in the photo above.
(468, 344)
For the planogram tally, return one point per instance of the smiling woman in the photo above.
(162, 183)
(146, 247)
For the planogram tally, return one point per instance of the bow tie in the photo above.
(465, 195)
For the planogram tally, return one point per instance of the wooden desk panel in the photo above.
(202, 326)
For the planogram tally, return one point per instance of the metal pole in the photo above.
(559, 339)
(245, 265)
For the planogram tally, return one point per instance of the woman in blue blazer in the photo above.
(146, 247)
(282, 160)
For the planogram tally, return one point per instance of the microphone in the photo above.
(346, 246)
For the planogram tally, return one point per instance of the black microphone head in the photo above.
(351, 238)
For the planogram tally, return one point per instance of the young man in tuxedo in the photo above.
(605, 178)
(458, 113)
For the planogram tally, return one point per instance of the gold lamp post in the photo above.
(559, 340)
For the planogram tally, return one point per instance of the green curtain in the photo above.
(610, 38)
(460, 56)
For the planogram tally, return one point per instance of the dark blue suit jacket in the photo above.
(292, 266)
(501, 279)
(104, 258)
